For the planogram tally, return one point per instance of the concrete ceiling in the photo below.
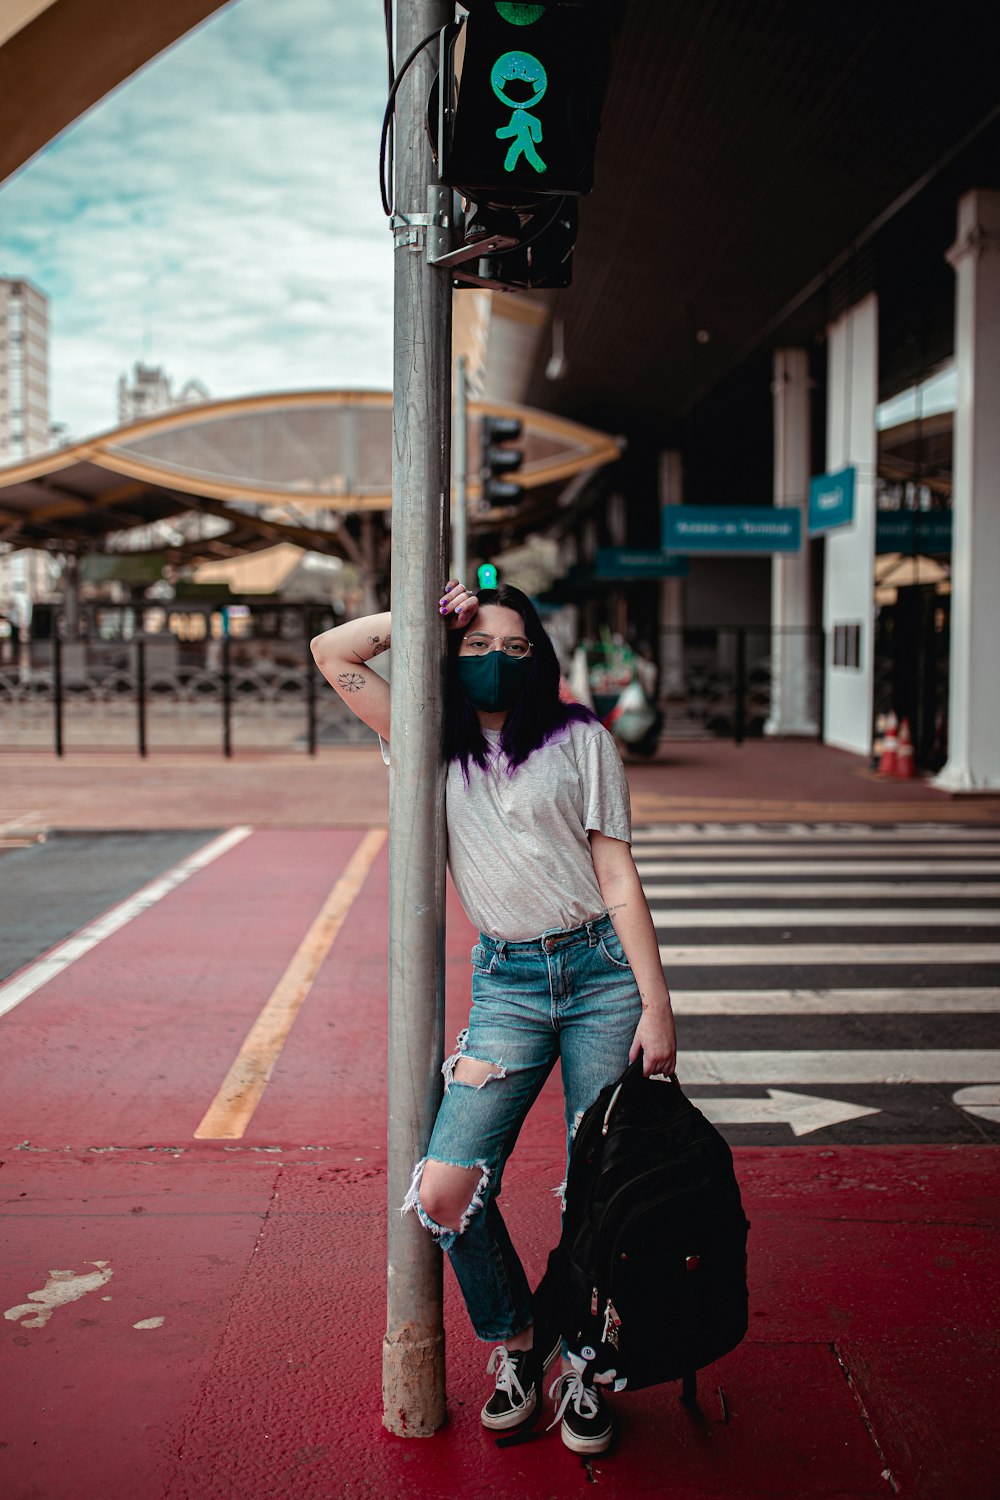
(748, 152)
(59, 59)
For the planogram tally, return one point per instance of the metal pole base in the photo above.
(413, 1397)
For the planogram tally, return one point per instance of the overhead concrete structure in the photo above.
(58, 59)
(282, 467)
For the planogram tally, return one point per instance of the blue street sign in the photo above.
(731, 528)
(831, 501)
(914, 531)
(634, 562)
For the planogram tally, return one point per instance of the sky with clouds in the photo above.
(218, 215)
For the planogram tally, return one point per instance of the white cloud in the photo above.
(218, 215)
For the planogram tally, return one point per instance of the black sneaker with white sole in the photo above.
(518, 1382)
(586, 1425)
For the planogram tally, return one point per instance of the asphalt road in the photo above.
(833, 985)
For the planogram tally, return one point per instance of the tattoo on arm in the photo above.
(350, 682)
(377, 645)
(612, 910)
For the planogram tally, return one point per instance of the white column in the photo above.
(671, 589)
(849, 561)
(974, 700)
(791, 652)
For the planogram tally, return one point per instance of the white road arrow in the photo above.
(803, 1112)
(982, 1100)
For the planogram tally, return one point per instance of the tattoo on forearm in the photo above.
(612, 910)
(350, 682)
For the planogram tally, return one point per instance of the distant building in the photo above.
(151, 392)
(24, 371)
(27, 574)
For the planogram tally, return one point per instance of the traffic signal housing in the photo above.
(522, 116)
(500, 461)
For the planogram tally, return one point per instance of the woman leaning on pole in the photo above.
(566, 966)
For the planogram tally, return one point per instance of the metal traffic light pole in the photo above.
(460, 498)
(413, 1390)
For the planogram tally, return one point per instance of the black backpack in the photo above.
(648, 1279)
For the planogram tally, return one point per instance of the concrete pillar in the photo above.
(849, 556)
(974, 704)
(791, 648)
(671, 589)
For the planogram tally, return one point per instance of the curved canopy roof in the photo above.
(276, 467)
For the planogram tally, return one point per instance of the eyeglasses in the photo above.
(482, 645)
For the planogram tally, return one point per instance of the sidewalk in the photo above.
(347, 787)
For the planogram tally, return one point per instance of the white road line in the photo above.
(820, 851)
(929, 890)
(52, 963)
(976, 999)
(17, 825)
(665, 917)
(819, 866)
(905, 1065)
(726, 955)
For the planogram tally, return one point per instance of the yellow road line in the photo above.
(233, 1107)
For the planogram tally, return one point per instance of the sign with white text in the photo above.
(831, 501)
(731, 528)
(638, 562)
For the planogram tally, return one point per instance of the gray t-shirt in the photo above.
(517, 845)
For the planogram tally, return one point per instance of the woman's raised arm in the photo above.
(342, 655)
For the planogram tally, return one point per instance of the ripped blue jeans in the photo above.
(569, 995)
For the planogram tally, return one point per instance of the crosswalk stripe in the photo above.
(712, 886)
(814, 867)
(976, 999)
(903, 1065)
(820, 851)
(881, 916)
(833, 832)
(720, 955)
(927, 890)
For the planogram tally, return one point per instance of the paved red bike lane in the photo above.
(203, 1318)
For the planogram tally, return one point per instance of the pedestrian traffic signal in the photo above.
(542, 258)
(500, 461)
(522, 117)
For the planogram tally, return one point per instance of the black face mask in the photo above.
(493, 682)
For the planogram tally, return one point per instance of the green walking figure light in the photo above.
(524, 128)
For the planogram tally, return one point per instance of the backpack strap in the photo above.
(632, 1074)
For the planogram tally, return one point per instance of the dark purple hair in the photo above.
(537, 715)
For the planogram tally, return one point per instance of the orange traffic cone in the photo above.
(887, 765)
(904, 754)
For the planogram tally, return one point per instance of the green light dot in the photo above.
(519, 15)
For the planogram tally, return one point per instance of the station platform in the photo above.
(193, 1166)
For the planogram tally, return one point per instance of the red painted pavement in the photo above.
(267, 1265)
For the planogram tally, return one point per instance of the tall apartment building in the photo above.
(27, 574)
(24, 371)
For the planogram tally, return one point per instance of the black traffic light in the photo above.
(522, 117)
(543, 257)
(500, 461)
